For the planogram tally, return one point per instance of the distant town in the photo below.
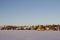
(37, 27)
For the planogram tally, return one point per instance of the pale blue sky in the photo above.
(27, 12)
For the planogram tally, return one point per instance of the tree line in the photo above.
(37, 27)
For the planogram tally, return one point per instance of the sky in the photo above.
(29, 12)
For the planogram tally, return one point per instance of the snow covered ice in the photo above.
(29, 35)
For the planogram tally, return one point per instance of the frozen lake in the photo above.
(29, 35)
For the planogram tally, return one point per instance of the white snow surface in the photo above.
(29, 35)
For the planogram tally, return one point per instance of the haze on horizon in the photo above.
(29, 12)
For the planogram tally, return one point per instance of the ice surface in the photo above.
(29, 35)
